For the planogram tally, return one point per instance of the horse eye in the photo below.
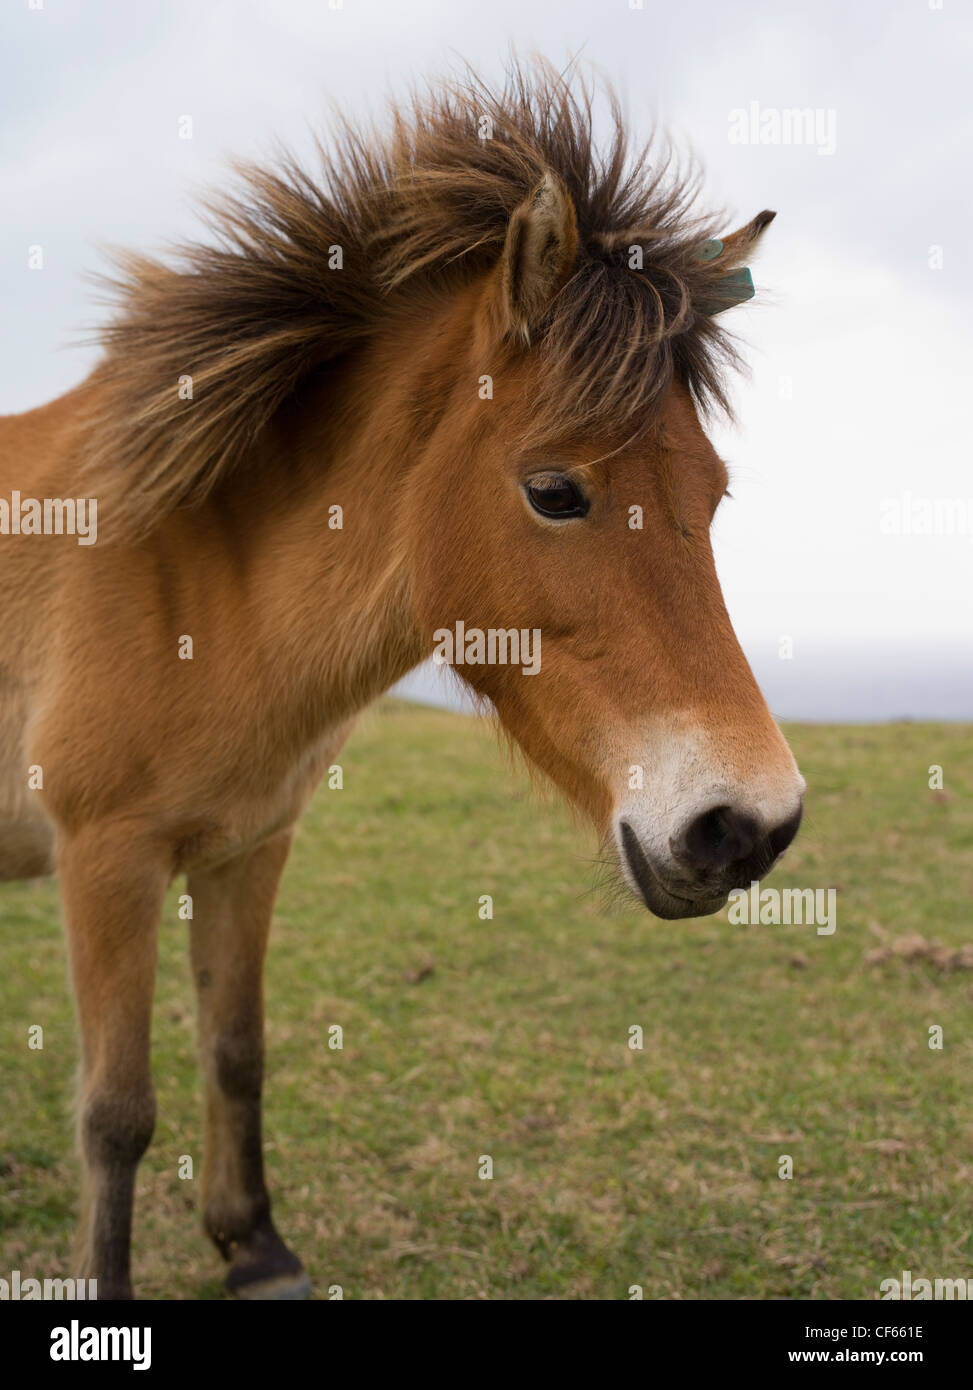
(556, 496)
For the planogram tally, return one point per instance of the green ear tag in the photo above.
(710, 250)
(735, 288)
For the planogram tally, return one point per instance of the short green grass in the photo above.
(509, 1038)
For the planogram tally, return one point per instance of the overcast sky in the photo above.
(861, 365)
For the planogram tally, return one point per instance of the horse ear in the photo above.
(726, 278)
(538, 255)
(738, 245)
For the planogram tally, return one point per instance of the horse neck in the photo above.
(332, 604)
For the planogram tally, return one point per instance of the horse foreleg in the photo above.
(112, 898)
(231, 912)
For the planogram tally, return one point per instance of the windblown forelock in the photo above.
(625, 324)
(613, 348)
(426, 205)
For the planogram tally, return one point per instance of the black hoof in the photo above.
(264, 1268)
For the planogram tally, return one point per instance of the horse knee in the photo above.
(116, 1126)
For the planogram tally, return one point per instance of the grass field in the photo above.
(509, 1038)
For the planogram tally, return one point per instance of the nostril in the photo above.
(784, 833)
(716, 839)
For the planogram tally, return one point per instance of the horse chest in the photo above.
(249, 817)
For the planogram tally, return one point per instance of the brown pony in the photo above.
(454, 379)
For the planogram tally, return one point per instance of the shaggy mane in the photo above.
(249, 316)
